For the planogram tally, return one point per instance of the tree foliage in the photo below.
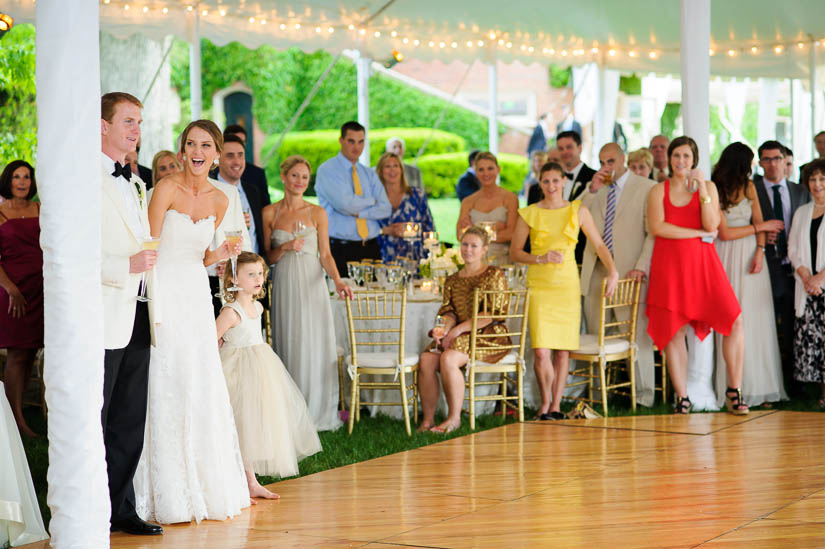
(18, 110)
(280, 80)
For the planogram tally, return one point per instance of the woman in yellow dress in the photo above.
(554, 316)
(450, 349)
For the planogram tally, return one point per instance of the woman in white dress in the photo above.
(20, 520)
(490, 203)
(191, 465)
(741, 247)
(303, 333)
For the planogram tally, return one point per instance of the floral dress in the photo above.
(414, 209)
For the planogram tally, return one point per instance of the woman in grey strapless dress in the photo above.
(490, 203)
(303, 334)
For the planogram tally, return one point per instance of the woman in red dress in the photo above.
(688, 284)
(21, 282)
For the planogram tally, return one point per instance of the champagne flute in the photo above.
(233, 238)
(148, 243)
(299, 229)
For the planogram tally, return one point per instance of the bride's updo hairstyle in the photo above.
(244, 259)
(209, 127)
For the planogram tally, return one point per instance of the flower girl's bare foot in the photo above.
(261, 492)
(256, 490)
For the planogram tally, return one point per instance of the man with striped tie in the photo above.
(354, 199)
(617, 199)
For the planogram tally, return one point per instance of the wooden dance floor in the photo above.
(644, 481)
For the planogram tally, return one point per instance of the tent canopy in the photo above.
(749, 38)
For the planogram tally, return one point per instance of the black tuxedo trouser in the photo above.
(125, 388)
(353, 250)
(783, 305)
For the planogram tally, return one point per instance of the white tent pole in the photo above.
(362, 68)
(694, 57)
(195, 91)
(68, 134)
(812, 76)
(492, 98)
(795, 145)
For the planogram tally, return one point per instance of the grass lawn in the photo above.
(372, 437)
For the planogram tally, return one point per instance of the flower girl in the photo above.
(274, 428)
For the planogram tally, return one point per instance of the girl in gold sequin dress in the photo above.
(457, 309)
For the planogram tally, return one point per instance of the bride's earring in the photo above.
(183, 156)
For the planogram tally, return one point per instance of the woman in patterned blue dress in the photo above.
(408, 205)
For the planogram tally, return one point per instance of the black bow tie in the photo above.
(125, 171)
(569, 176)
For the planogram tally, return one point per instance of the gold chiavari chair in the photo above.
(509, 307)
(375, 318)
(268, 314)
(613, 344)
(663, 387)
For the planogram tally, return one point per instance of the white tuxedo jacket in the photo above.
(632, 241)
(119, 242)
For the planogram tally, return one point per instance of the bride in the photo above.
(191, 466)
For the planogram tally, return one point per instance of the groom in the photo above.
(127, 336)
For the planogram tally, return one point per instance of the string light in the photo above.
(492, 37)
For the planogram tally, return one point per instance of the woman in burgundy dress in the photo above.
(688, 284)
(21, 282)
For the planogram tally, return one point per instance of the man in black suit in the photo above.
(231, 169)
(779, 199)
(251, 173)
(468, 182)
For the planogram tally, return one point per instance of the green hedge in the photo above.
(320, 145)
(440, 172)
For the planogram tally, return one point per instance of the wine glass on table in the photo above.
(148, 243)
(233, 238)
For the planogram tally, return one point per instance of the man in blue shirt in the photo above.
(354, 199)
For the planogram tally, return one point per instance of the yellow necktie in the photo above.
(360, 224)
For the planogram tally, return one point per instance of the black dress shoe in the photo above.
(137, 527)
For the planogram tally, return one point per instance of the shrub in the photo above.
(440, 172)
(320, 145)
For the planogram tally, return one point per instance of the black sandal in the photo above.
(682, 405)
(734, 403)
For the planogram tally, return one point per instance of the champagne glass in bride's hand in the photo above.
(148, 243)
(233, 238)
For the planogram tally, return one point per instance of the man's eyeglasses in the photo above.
(770, 159)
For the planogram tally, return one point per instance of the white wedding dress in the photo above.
(191, 465)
